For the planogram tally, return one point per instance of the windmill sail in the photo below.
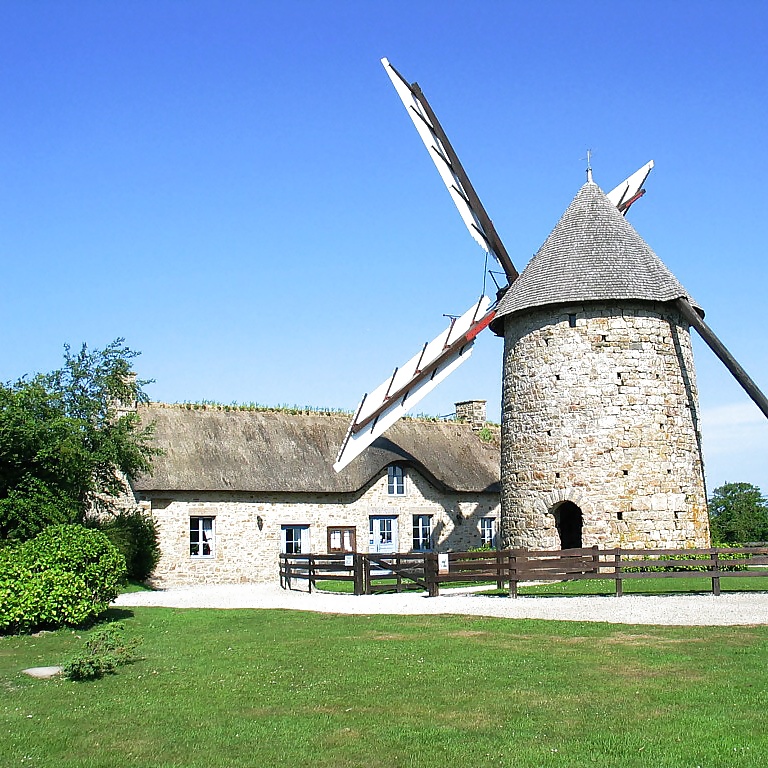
(726, 358)
(449, 167)
(440, 357)
(411, 382)
(631, 189)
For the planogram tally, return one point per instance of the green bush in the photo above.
(20, 592)
(103, 652)
(135, 536)
(66, 575)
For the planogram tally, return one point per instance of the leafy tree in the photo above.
(68, 441)
(738, 513)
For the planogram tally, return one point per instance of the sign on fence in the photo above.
(349, 561)
(442, 563)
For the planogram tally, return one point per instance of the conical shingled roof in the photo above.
(593, 254)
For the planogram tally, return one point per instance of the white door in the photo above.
(383, 534)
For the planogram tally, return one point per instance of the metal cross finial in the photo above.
(589, 166)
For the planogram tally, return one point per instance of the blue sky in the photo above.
(236, 189)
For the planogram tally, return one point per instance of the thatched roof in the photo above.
(593, 254)
(211, 449)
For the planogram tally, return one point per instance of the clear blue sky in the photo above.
(236, 189)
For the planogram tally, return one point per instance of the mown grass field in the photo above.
(648, 586)
(286, 689)
(632, 586)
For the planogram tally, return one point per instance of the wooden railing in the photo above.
(509, 567)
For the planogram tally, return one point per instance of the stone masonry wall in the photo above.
(600, 408)
(472, 411)
(245, 552)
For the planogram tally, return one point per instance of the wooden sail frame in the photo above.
(439, 358)
(414, 380)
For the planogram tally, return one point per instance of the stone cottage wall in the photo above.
(600, 408)
(248, 526)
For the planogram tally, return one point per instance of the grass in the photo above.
(289, 689)
(652, 586)
(348, 587)
(633, 586)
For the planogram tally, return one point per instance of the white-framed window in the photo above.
(488, 531)
(295, 539)
(395, 480)
(422, 533)
(201, 537)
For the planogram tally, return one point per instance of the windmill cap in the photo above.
(592, 255)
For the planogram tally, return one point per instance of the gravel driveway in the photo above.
(690, 610)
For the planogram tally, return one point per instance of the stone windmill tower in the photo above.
(600, 424)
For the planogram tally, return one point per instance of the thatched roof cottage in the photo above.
(235, 487)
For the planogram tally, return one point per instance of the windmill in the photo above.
(613, 453)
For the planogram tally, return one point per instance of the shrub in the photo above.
(135, 536)
(103, 652)
(81, 551)
(66, 575)
(20, 592)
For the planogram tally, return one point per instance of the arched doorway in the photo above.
(568, 520)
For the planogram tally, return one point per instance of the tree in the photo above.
(738, 513)
(69, 439)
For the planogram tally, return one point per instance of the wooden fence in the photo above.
(400, 571)
(371, 573)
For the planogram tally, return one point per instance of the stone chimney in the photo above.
(121, 407)
(472, 411)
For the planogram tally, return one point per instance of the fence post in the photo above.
(595, 559)
(357, 573)
(367, 575)
(715, 569)
(311, 572)
(512, 565)
(499, 570)
(430, 574)
(617, 572)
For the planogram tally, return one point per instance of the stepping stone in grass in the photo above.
(42, 672)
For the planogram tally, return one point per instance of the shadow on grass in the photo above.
(113, 614)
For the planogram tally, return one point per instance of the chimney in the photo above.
(472, 411)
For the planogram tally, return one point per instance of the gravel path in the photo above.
(690, 610)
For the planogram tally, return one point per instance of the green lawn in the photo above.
(650, 586)
(285, 689)
(636, 586)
